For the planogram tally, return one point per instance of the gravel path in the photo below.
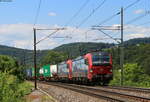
(39, 96)
(64, 95)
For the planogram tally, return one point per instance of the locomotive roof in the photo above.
(78, 58)
(100, 53)
(64, 62)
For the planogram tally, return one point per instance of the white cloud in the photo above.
(139, 11)
(137, 29)
(132, 31)
(136, 35)
(23, 44)
(10, 29)
(21, 35)
(47, 44)
(51, 14)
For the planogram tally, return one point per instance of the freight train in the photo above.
(94, 68)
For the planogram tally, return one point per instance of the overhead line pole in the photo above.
(122, 50)
(35, 53)
(35, 81)
(121, 43)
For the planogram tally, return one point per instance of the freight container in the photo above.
(37, 72)
(79, 68)
(33, 72)
(28, 73)
(47, 72)
(63, 71)
(41, 73)
(53, 70)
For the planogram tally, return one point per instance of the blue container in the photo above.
(63, 71)
(79, 68)
(29, 73)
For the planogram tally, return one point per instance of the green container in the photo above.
(37, 72)
(33, 72)
(46, 70)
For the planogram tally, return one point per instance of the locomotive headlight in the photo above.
(111, 70)
(91, 70)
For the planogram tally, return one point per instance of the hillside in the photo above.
(25, 56)
(135, 41)
(80, 48)
(14, 52)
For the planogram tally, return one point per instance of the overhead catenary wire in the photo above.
(109, 36)
(130, 5)
(77, 13)
(137, 18)
(93, 11)
(48, 36)
(143, 23)
(109, 18)
(114, 15)
(36, 16)
(37, 13)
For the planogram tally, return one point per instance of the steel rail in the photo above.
(144, 99)
(83, 91)
(135, 89)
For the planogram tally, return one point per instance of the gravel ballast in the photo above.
(65, 95)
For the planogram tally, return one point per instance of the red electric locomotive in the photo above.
(100, 67)
(95, 67)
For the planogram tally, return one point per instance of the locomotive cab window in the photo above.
(101, 59)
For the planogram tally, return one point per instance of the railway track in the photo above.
(101, 93)
(142, 90)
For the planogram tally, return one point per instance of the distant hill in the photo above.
(76, 49)
(17, 53)
(25, 56)
(80, 48)
(137, 41)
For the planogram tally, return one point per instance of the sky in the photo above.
(18, 17)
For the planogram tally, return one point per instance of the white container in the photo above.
(53, 69)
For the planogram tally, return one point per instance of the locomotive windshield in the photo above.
(100, 59)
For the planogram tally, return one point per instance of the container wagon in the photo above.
(63, 71)
(47, 72)
(28, 73)
(53, 69)
(41, 74)
(37, 73)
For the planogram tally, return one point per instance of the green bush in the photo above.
(133, 76)
(11, 66)
(7, 63)
(11, 90)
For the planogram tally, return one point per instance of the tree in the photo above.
(54, 57)
(133, 76)
(7, 64)
(11, 66)
(11, 90)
